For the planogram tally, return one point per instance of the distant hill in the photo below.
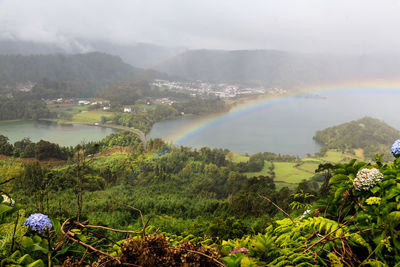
(277, 68)
(26, 48)
(141, 55)
(82, 73)
(371, 135)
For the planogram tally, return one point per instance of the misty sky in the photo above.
(297, 25)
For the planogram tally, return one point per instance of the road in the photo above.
(140, 134)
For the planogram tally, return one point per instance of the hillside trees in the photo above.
(256, 162)
(62, 75)
(369, 134)
(18, 108)
(33, 183)
(5, 147)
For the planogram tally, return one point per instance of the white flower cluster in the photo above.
(8, 200)
(304, 214)
(367, 178)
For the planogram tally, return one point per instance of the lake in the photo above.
(63, 134)
(285, 126)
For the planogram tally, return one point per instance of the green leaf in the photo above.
(38, 263)
(4, 208)
(394, 191)
(373, 263)
(26, 243)
(25, 260)
(375, 189)
(394, 217)
(339, 178)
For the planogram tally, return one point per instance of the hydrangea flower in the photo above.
(239, 250)
(367, 178)
(38, 222)
(396, 148)
(373, 201)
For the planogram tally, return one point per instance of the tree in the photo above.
(33, 183)
(256, 162)
(82, 177)
(5, 147)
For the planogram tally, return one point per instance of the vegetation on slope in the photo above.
(369, 134)
(61, 75)
(20, 108)
(354, 221)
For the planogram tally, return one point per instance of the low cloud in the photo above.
(344, 26)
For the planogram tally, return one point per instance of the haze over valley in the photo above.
(199, 133)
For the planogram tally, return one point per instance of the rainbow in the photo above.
(376, 87)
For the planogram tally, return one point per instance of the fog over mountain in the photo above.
(341, 26)
(277, 68)
(274, 43)
(139, 55)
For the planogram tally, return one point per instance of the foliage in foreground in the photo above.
(356, 224)
(350, 227)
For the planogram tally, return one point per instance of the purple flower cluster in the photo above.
(239, 250)
(38, 222)
(396, 148)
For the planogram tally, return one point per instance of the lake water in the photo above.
(285, 126)
(63, 134)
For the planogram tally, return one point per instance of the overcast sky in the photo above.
(296, 25)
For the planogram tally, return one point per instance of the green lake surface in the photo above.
(285, 126)
(63, 134)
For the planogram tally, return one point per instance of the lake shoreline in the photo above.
(64, 134)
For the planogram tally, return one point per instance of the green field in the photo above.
(330, 156)
(90, 116)
(265, 171)
(309, 166)
(236, 158)
(289, 174)
(285, 172)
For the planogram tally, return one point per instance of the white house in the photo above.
(127, 109)
(83, 102)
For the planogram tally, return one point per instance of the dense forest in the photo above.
(369, 134)
(20, 108)
(198, 203)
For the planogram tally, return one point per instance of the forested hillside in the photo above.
(61, 75)
(369, 134)
(17, 108)
(140, 55)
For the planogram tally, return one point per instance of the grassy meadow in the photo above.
(289, 174)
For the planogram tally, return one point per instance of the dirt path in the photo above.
(303, 170)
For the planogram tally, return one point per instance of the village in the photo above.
(194, 89)
(222, 90)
